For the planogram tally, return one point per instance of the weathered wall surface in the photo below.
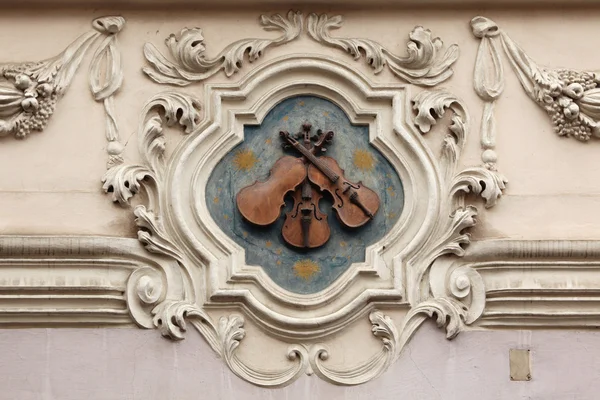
(50, 184)
(45, 193)
(131, 364)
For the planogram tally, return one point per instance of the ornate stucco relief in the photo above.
(396, 269)
(570, 97)
(427, 63)
(192, 274)
(29, 91)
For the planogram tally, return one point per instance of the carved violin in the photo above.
(307, 176)
(306, 226)
(261, 202)
(354, 203)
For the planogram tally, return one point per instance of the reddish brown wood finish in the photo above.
(354, 203)
(261, 202)
(293, 230)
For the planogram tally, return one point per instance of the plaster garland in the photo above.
(570, 97)
(29, 91)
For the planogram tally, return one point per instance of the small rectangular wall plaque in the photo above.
(520, 364)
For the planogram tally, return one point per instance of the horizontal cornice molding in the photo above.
(144, 4)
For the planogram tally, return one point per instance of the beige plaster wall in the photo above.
(51, 181)
(50, 184)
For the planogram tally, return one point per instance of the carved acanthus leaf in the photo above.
(153, 235)
(29, 91)
(430, 106)
(426, 63)
(191, 63)
(449, 314)
(123, 181)
(168, 108)
(456, 236)
(488, 184)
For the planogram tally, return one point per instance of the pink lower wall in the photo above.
(111, 364)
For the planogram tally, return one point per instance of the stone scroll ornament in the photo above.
(191, 64)
(570, 97)
(29, 91)
(211, 281)
(426, 63)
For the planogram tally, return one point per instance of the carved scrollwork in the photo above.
(462, 285)
(224, 337)
(165, 109)
(426, 63)
(191, 63)
(453, 299)
(445, 292)
(570, 97)
(29, 91)
(384, 329)
(145, 289)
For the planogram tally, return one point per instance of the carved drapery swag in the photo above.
(570, 97)
(29, 91)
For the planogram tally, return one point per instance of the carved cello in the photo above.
(305, 225)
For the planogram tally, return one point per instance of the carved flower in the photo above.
(187, 47)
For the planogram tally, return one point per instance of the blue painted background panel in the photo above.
(297, 270)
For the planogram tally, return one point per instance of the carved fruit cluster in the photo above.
(562, 100)
(34, 102)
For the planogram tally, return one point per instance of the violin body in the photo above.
(261, 202)
(355, 204)
(305, 225)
